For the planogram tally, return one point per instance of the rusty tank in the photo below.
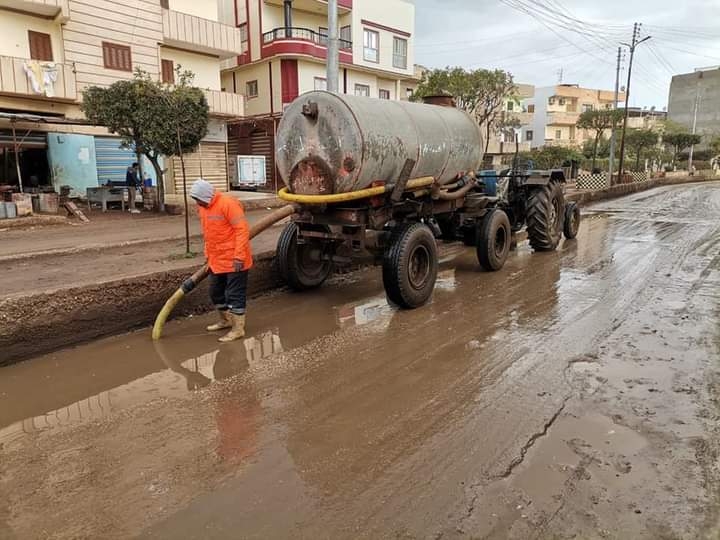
(328, 143)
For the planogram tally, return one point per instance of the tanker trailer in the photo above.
(382, 180)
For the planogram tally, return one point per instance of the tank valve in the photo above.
(310, 109)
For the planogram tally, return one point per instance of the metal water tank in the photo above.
(329, 143)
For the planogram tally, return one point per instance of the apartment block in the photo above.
(286, 56)
(695, 99)
(556, 111)
(54, 49)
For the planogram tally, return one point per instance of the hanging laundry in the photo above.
(41, 76)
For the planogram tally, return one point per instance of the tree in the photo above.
(680, 141)
(481, 92)
(597, 122)
(151, 117)
(638, 140)
(550, 157)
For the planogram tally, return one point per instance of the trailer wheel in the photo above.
(494, 240)
(410, 265)
(300, 265)
(545, 216)
(572, 220)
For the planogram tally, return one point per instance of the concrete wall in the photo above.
(207, 9)
(684, 89)
(205, 68)
(14, 31)
(260, 73)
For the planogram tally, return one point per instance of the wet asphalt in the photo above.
(573, 394)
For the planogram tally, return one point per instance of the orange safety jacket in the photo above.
(227, 234)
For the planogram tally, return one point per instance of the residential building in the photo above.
(695, 99)
(557, 110)
(286, 56)
(517, 120)
(644, 118)
(409, 85)
(52, 50)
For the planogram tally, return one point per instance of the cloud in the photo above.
(487, 33)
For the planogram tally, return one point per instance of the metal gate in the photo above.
(211, 158)
(112, 160)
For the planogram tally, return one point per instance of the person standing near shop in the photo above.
(229, 255)
(132, 181)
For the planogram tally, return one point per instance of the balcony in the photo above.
(225, 104)
(15, 81)
(54, 9)
(202, 35)
(302, 41)
(497, 147)
(523, 118)
(562, 118)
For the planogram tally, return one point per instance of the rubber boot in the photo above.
(223, 323)
(238, 328)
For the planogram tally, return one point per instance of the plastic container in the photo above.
(489, 178)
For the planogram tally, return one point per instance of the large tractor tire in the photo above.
(494, 240)
(301, 265)
(545, 216)
(410, 265)
(572, 220)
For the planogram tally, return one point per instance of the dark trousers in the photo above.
(229, 291)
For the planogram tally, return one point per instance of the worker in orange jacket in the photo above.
(229, 256)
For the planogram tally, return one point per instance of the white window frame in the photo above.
(400, 57)
(370, 53)
(558, 134)
(362, 90)
(529, 135)
(320, 83)
(248, 86)
(387, 93)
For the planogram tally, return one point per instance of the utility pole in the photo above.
(333, 49)
(632, 46)
(612, 134)
(694, 127)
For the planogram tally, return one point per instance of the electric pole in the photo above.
(333, 49)
(694, 127)
(612, 134)
(632, 46)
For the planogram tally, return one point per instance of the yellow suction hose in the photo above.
(416, 183)
(193, 281)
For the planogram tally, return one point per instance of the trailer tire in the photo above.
(494, 240)
(410, 265)
(545, 216)
(572, 220)
(295, 265)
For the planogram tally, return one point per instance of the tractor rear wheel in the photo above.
(494, 240)
(545, 216)
(302, 266)
(410, 265)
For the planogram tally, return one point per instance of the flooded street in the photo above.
(573, 394)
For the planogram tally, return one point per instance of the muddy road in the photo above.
(572, 395)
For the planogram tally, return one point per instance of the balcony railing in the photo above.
(225, 104)
(562, 118)
(23, 77)
(304, 34)
(203, 35)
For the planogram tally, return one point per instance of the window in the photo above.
(168, 71)
(40, 46)
(400, 53)
(362, 90)
(323, 33)
(608, 106)
(531, 108)
(558, 134)
(251, 89)
(587, 107)
(320, 83)
(551, 101)
(345, 37)
(409, 92)
(529, 135)
(384, 94)
(561, 101)
(371, 42)
(510, 106)
(117, 56)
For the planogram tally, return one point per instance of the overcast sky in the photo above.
(491, 34)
